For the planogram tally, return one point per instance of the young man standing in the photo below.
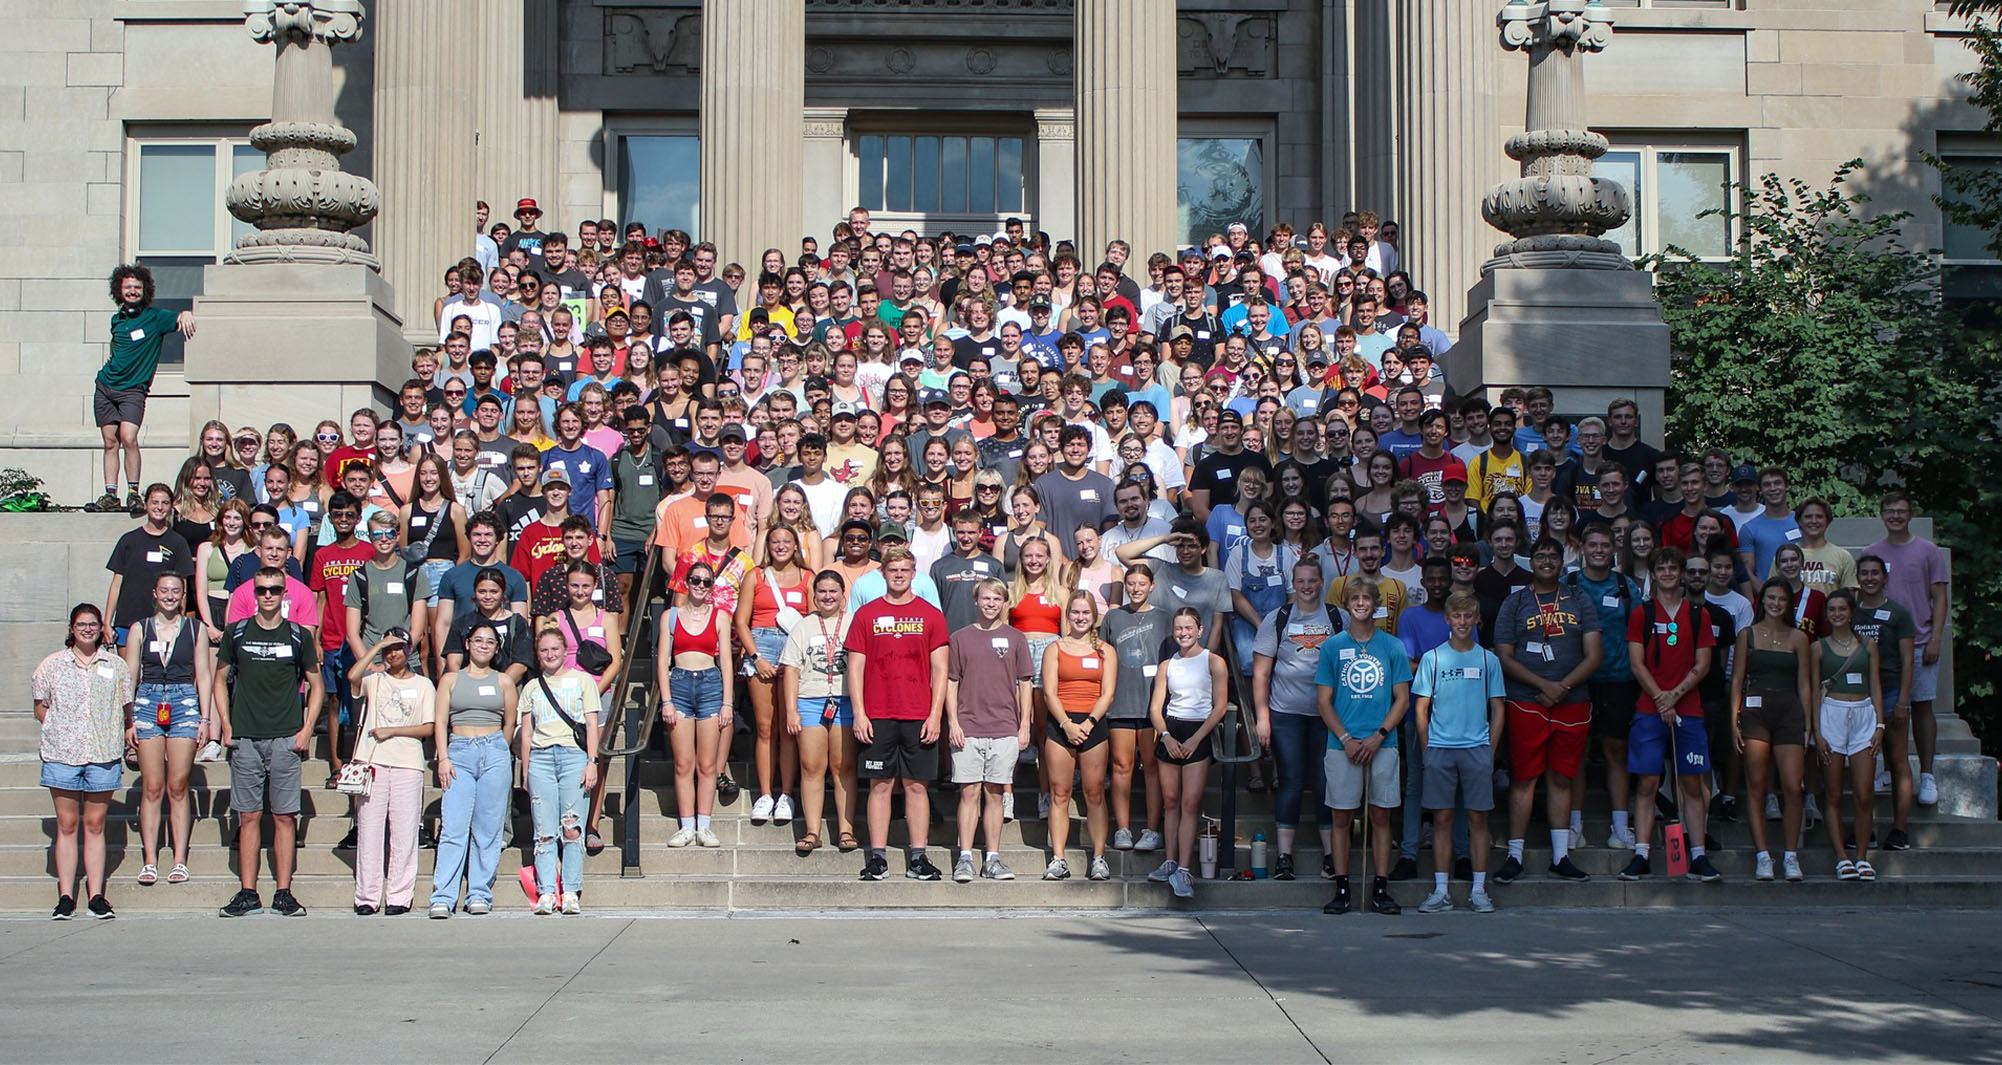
(1431, 465)
(331, 567)
(119, 403)
(1547, 639)
(897, 670)
(1459, 693)
(1611, 689)
(1887, 623)
(960, 573)
(1073, 494)
(1670, 647)
(1760, 538)
(1363, 686)
(988, 672)
(1917, 581)
(262, 661)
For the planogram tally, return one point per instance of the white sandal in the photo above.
(148, 875)
(178, 874)
(1865, 871)
(1845, 870)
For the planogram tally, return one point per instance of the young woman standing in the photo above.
(693, 664)
(400, 708)
(816, 687)
(583, 621)
(1078, 686)
(230, 541)
(780, 594)
(169, 658)
(1769, 721)
(1188, 703)
(1137, 632)
(475, 771)
(559, 729)
(81, 701)
(1844, 668)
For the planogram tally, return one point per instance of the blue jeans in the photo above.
(1299, 741)
(471, 813)
(434, 570)
(1414, 807)
(556, 797)
(334, 666)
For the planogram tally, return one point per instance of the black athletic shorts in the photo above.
(1613, 703)
(894, 752)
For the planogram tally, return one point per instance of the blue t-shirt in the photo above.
(1615, 598)
(1365, 677)
(1460, 684)
(1762, 536)
(589, 474)
(1400, 443)
(1423, 628)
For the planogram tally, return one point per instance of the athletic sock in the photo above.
(111, 489)
(1619, 822)
(876, 852)
(1439, 882)
(1480, 881)
(1641, 850)
(688, 823)
(1695, 852)
(1793, 855)
(991, 855)
(914, 854)
(1560, 845)
(1577, 822)
(1515, 849)
(701, 822)
(132, 485)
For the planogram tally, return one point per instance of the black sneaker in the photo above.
(100, 908)
(284, 905)
(1568, 870)
(921, 868)
(1340, 903)
(1727, 809)
(347, 843)
(1463, 868)
(245, 904)
(1380, 900)
(1405, 869)
(1511, 868)
(1898, 840)
(1327, 867)
(1702, 871)
(395, 911)
(425, 839)
(1638, 869)
(66, 905)
(727, 788)
(1283, 870)
(876, 868)
(363, 909)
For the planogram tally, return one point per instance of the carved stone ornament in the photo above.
(1557, 211)
(1213, 44)
(653, 40)
(303, 205)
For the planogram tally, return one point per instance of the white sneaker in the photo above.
(1437, 902)
(761, 811)
(1621, 839)
(479, 907)
(1182, 884)
(782, 810)
(1479, 902)
(1577, 839)
(545, 905)
(1122, 840)
(1790, 868)
(707, 838)
(1883, 782)
(571, 907)
(212, 751)
(1928, 790)
(1772, 807)
(1058, 870)
(1043, 805)
(1763, 869)
(683, 838)
(440, 911)
(1148, 842)
(1098, 870)
(1810, 813)
(1161, 874)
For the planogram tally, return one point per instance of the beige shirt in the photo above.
(392, 703)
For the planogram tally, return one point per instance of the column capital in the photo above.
(824, 123)
(1056, 124)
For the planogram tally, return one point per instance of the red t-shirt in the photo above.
(539, 549)
(344, 456)
(332, 565)
(1670, 653)
(898, 639)
(1432, 473)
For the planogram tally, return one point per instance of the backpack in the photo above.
(297, 633)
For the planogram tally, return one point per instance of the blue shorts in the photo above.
(433, 571)
(184, 715)
(1647, 746)
(119, 634)
(629, 555)
(813, 712)
(770, 642)
(91, 777)
(696, 693)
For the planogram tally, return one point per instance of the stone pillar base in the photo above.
(294, 343)
(1590, 336)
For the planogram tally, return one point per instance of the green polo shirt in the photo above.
(135, 347)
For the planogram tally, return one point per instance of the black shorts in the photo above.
(1182, 730)
(1613, 703)
(1099, 734)
(1134, 723)
(895, 752)
(112, 406)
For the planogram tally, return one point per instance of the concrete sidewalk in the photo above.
(1542, 986)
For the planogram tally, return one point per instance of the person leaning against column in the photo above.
(83, 701)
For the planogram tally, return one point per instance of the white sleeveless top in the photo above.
(1189, 696)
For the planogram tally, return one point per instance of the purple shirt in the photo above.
(1915, 566)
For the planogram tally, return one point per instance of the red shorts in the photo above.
(1546, 738)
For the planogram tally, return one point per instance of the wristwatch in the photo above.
(1383, 732)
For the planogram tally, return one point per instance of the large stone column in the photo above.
(1127, 114)
(753, 96)
(515, 109)
(1447, 72)
(426, 76)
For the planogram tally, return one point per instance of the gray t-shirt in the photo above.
(1119, 536)
(956, 578)
(1206, 592)
(1295, 651)
(1141, 639)
(1548, 632)
(1068, 504)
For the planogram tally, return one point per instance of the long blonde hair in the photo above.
(1090, 601)
(1051, 584)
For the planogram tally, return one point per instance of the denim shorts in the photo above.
(813, 712)
(184, 714)
(90, 777)
(696, 693)
(770, 642)
(433, 570)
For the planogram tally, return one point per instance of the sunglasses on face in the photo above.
(266, 589)
(262, 524)
(701, 582)
(328, 437)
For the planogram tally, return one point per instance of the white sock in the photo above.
(701, 822)
(1515, 849)
(1577, 821)
(1619, 822)
(1560, 845)
(1767, 855)
(688, 823)
(1641, 849)
(991, 855)
(1695, 852)
(1793, 855)
(1480, 881)
(1439, 882)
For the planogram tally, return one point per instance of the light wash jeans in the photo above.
(556, 796)
(472, 811)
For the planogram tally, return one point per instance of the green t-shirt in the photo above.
(270, 664)
(1886, 624)
(135, 347)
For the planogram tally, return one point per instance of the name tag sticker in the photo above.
(596, 630)
(1000, 643)
(794, 598)
(1089, 663)
(646, 479)
(155, 647)
(156, 556)
(1753, 702)
(1088, 495)
(1532, 648)
(419, 521)
(598, 595)
(1793, 534)
(137, 334)
(1275, 581)
(1181, 593)
(1381, 612)
(1852, 678)
(489, 690)
(1202, 334)
(1149, 671)
(1224, 473)
(395, 587)
(980, 566)
(283, 652)
(745, 499)
(1346, 654)
(701, 522)
(1015, 454)
(111, 674)
(1233, 530)
(1610, 601)
(1471, 673)
(1882, 615)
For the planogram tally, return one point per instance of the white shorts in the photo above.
(1848, 724)
(985, 760)
(1345, 780)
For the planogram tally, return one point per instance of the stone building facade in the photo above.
(753, 122)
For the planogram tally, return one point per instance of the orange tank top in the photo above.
(1080, 679)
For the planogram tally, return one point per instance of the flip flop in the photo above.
(807, 844)
(846, 842)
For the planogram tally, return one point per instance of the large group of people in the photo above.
(911, 512)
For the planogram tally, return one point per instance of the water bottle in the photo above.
(1206, 854)
(1258, 856)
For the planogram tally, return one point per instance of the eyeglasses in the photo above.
(700, 582)
(270, 589)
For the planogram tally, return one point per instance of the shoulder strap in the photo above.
(382, 478)
(555, 703)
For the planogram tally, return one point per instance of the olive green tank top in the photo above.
(1846, 676)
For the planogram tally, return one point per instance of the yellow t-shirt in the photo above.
(576, 690)
(1387, 611)
(1827, 567)
(1489, 475)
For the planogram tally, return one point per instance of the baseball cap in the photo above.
(892, 530)
(1744, 473)
(964, 247)
(731, 429)
(1318, 358)
(524, 206)
(1179, 332)
(938, 396)
(813, 383)
(1228, 414)
(486, 398)
(911, 355)
(1040, 303)
(1454, 475)
(858, 525)
(398, 634)
(1219, 253)
(983, 240)
(837, 416)
(555, 475)
(617, 312)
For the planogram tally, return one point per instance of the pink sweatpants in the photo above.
(392, 808)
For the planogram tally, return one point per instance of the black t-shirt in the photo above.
(966, 349)
(140, 557)
(516, 511)
(1208, 334)
(1493, 589)
(1217, 473)
(1638, 461)
(1317, 474)
(528, 240)
(515, 646)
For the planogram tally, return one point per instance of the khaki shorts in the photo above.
(986, 760)
(1345, 780)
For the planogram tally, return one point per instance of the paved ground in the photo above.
(1547, 986)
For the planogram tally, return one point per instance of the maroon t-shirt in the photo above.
(898, 639)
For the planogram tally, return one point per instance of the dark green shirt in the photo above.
(1886, 624)
(270, 664)
(135, 347)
